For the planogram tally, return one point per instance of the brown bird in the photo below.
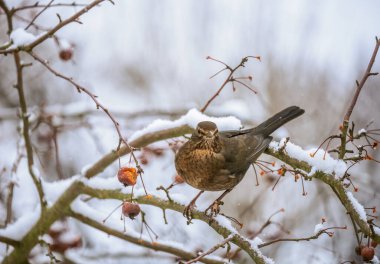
(217, 161)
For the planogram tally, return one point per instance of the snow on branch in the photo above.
(318, 160)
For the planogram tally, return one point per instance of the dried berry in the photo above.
(367, 253)
(127, 176)
(178, 179)
(131, 210)
(66, 54)
(144, 160)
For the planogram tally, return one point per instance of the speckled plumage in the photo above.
(216, 161)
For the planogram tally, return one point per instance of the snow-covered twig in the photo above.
(48, 34)
(335, 184)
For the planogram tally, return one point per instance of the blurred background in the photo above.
(147, 60)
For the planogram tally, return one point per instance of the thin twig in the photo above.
(38, 14)
(24, 113)
(316, 236)
(98, 105)
(359, 87)
(51, 32)
(360, 84)
(229, 78)
(14, 10)
(211, 250)
(267, 223)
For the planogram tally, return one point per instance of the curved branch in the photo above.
(335, 184)
(185, 255)
(52, 214)
(60, 207)
(140, 142)
(237, 239)
(9, 241)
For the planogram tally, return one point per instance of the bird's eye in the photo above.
(200, 131)
(215, 132)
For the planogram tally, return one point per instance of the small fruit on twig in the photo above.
(127, 176)
(367, 253)
(66, 54)
(131, 210)
(178, 179)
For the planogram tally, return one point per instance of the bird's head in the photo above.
(206, 130)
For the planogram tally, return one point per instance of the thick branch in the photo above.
(185, 255)
(140, 142)
(9, 241)
(165, 204)
(52, 214)
(59, 209)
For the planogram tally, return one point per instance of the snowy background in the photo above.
(147, 60)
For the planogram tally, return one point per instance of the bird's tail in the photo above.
(284, 116)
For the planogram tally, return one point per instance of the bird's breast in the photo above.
(204, 170)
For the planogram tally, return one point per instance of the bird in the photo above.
(213, 160)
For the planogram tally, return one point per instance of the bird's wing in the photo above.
(234, 133)
(241, 150)
(257, 149)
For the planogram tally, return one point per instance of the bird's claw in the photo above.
(213, 209)
(188, 212)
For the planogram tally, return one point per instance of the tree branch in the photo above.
(9, 241)
(211, 250)
(360, 85)
(60, 207)
(52, 214)
(313, 237)
(17, 9)
(24, 112)
(335, 184)
(185, 255)
(165, 204)
(51, 32)
(140, 142)
(363, 81)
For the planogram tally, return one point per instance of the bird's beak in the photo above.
(209, 134)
